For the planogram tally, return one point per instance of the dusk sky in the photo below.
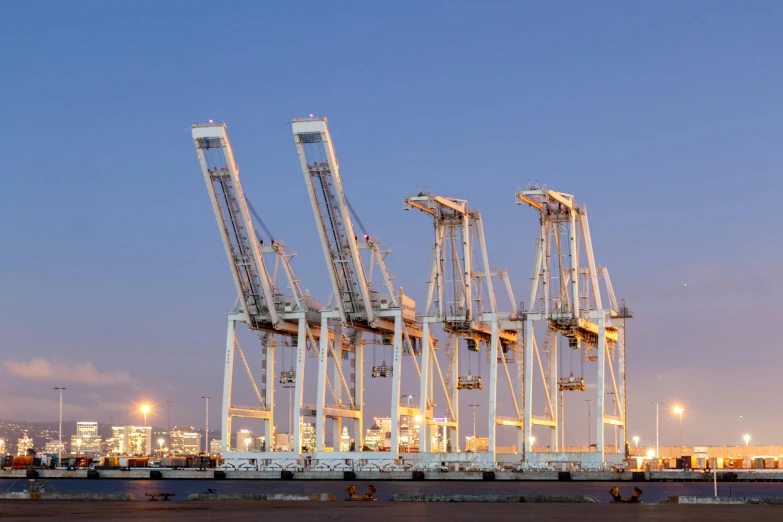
(663, 118)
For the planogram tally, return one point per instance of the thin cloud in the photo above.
(82, 372)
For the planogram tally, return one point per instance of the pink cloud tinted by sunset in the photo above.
(83, 372)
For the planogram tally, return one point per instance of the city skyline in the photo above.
(661, 119)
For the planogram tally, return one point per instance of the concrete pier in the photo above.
(521, 476)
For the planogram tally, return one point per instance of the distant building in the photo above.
(308, 436)
(86, 441)
(184, 442)
(53, 447)
(345, 440)
(282, 442)
(23, 444)
(476, 444)
(2, 447)
(375, 437)
(131, 440)
(246, 441)
(215, 447)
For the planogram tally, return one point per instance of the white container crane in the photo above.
(262, 304)
(358, 305)
(566, 297)
(461, 298)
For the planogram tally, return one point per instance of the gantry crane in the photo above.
(566, 296)
(461, 298)
(359, 305)
(262, 303)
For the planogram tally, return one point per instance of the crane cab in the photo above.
(469, 382)
(288, 377)
(382, 371)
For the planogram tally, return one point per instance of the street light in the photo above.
(532, 441)
(145, 409)
(650, 453)
(657, 453)
(160, 445)
(78, 446)
(247, 443)
(206, 430)
(636, 441)
(747, 439)
(474, 406)
(60, 445)
(678, 410)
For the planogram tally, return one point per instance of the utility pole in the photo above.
(206, 430)
(656, 430)
(60, 445)
(589, 439)
(474, 406)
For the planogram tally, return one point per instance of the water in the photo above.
(653, 491)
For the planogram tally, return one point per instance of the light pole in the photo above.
(614, 412)
(168, 422)
(160, 448)
(657, 455)
(532, 441)
(747, 439)
(78, 447)
(636, 442)
(206, 430)
(589, 435)
(678, 410)
(145, 409)
(247, 443)
(474, 406)
(60, 445)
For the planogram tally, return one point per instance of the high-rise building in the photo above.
(131, 440)
(23, 444)
(86, 441)
(247, 442)
(308, 436)
(185, 441)
(282, 442)
(476, 444)
(215, 447)
(53, 447)
(374, 437)
(345, 440)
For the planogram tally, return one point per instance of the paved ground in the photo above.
(378, 512)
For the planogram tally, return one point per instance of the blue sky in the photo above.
(662, 118)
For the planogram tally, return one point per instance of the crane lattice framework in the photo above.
(356, 303)
(566, 296)
(461, 298)
(262, 303)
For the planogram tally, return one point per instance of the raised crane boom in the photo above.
(357, 302)
(236, 227)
